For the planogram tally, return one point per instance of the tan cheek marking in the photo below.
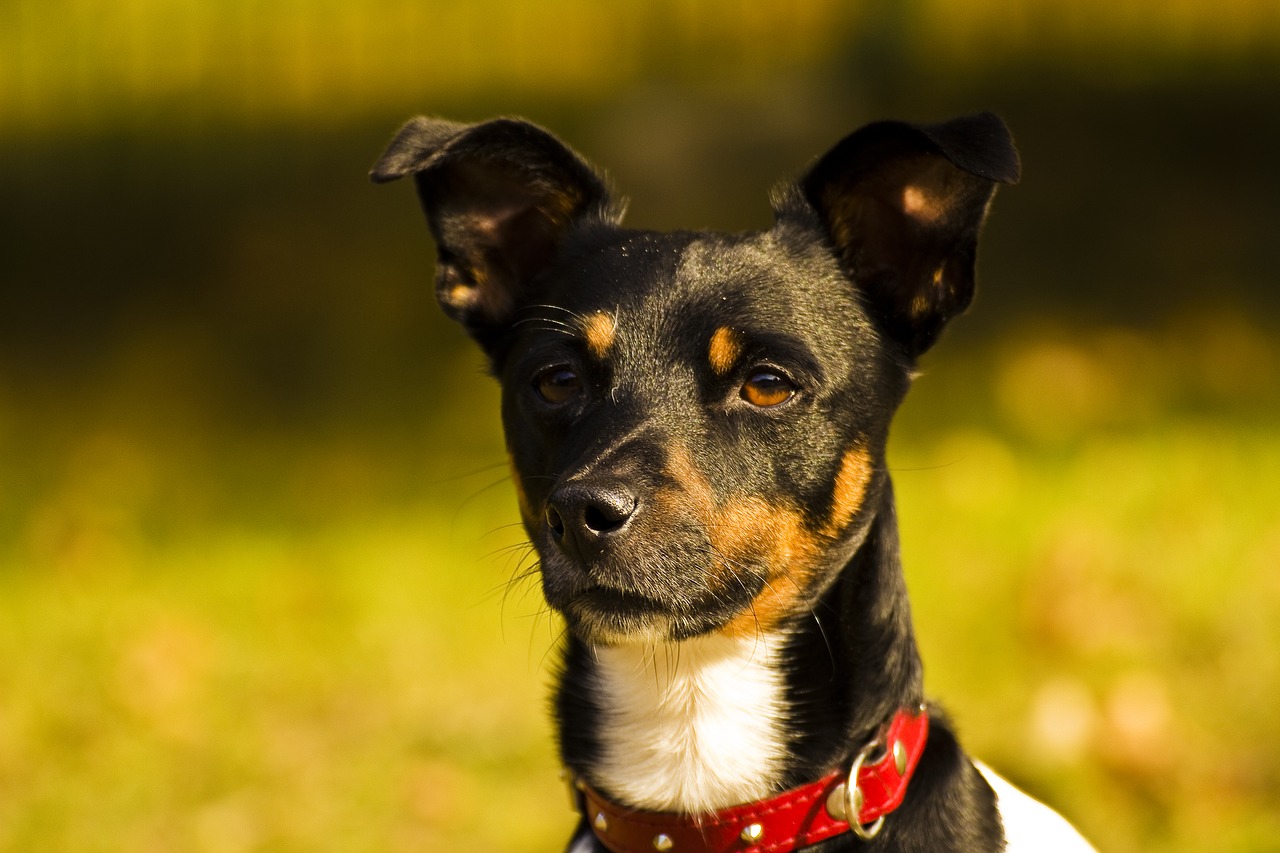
(599, 329)
(737, 531)
(752, 527)
(724, 350)
(850, 489)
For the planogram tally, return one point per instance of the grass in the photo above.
(1090, 527)
(252, 690)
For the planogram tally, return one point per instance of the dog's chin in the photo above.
(610, 618)
(603, 606)
(617, 628)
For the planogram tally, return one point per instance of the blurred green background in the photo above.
(256, 537)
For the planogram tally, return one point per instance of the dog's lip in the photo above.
(607, 615)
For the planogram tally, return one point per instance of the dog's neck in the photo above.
(714, 721)
(691, 726)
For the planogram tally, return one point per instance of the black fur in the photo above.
(657, 489)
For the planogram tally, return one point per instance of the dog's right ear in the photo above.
(499, 197)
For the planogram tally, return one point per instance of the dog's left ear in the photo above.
(903, 205)
(499, 197)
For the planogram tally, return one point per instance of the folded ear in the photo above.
(499, 197)
(903, 205)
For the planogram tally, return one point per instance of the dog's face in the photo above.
(696, 442)
(697, 421)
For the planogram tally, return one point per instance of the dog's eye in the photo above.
(557, 385)
(767, 388)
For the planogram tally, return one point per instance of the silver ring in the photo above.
(852, 791)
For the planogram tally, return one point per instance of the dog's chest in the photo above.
(692, 726)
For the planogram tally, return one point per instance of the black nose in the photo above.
(583, 517)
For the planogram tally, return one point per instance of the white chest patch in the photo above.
(692, 726)
(1029, 825)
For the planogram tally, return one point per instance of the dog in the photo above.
(696, 422)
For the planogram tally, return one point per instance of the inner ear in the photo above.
(493, 234)
(499, 198)
(903, 205)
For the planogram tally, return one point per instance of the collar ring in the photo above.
(853, 798)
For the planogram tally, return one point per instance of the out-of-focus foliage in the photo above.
(71, 64)
(261, 582)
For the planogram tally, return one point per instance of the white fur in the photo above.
(1029, 825)
(693, 726)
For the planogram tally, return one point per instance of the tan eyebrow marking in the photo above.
(724, 350)
(599, 329)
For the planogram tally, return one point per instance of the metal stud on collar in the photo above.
(900, 756)
(662, 842)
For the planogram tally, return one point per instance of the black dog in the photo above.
(697, 425)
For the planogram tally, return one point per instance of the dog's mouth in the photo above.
(610, 615)
(670, 570)
(603, 600)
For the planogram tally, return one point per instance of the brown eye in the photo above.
(765, 389)
(557, 385)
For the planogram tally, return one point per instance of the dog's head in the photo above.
(697, 421)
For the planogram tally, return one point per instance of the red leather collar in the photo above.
(790, 821)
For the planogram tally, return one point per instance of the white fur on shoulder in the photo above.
(692, 726)
(1029, 825)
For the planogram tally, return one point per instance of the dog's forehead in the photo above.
(666, 293)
